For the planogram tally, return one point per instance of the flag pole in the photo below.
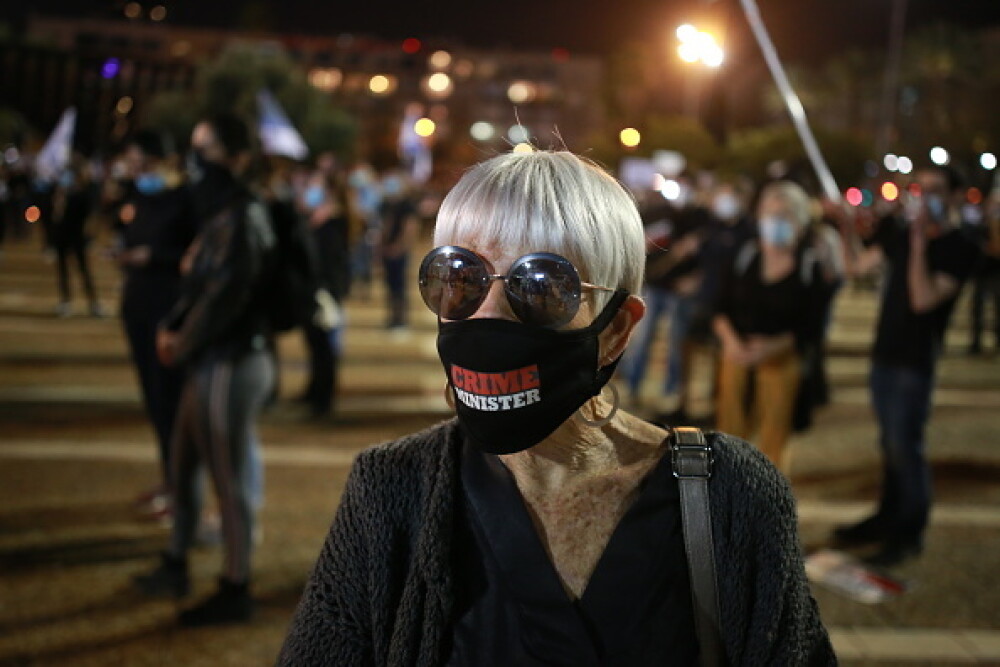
(792, 102)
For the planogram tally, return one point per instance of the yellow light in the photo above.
(629, 137)
(32, 214)
(523, 148)
(132, 10)
(440, 59)
(890, 191)
(124, 105)
(325, 79)
(713, 55)
(158, 13)
(424, 127)
(439, 82)
(379, 84)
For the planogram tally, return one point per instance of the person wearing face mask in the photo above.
(769, 306)
(400, 227)
(218, 333)
(152, 244)
(542, 525)
(927, 259)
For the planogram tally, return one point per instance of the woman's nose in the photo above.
(495, 306)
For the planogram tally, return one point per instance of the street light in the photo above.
(697, 46)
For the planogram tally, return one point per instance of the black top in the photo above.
(666, 225)
(904, 337)
(793, 304)
(511, 608)
(394, 214)
(166, 223)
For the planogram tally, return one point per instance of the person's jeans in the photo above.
(902, 400)
(678, 310)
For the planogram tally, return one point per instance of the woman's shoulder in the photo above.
(742, 471)
(411, 453)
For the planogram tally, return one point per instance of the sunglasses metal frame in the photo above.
(491, 275)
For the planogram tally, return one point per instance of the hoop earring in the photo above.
(449, 395)
(606, 420)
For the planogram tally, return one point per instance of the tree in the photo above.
(230, 83)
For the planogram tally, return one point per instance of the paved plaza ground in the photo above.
(75, 449)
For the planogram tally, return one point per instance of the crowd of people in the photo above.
(221, 249)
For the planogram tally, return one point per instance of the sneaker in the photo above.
(170, 578)
(230, 604)
(869, 531)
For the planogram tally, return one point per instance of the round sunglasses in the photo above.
(542, 288)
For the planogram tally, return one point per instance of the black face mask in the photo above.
(515, 384)
(212, 185)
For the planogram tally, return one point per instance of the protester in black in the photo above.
(400, 226)
(928, 259)
(218, 331)
(72, 204)
(152, 245)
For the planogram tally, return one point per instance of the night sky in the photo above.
(801, 29)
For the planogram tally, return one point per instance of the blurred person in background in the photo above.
(218, 331)
(368, 197)
(673, 223)
(927, 259)
(330, 211)
(400, 227)
(163, 225)
(986, 279)
(770, 305)
(72, 204)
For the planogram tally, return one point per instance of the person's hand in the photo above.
(918, 232)
(166, 346)
(736, 350)
(135, 257)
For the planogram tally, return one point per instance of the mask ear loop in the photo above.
(598, 423)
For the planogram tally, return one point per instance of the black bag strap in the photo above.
(691, 456)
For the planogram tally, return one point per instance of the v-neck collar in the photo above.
(617, 595)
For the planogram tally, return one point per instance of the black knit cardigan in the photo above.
(381, 592)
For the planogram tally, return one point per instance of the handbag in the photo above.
(691, 459)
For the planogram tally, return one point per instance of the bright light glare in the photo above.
(891, 162)
(713, 55)
(890, 191)
(523, 148)
(688, 52)
(939, 156)
(905, 164)
(32, 214)
(439, 82)
(520, 92)
(670, 189)
(482, 131)
(379, 84)
(686, 32)
(853, 196)
(988, 161)
(424, 127)
(630, 137)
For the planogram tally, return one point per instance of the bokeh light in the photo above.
(940, 156)
(411, 45)
(905, 164)
(630, 137)
(133, 10)
(380, 84)
(988, 161)
(110, 68)
(974, 195)
(124, 105)
(890, 191)
(439, 59)
(518, 134)
(158, 13)
(520, 92)
(32, 214)
(891, 162)
(523, 148)
(482, 131)
(853, 196)
(424, 127)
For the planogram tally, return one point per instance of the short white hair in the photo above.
(549, 201)
(795, 198)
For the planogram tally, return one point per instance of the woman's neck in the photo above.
(576, 450)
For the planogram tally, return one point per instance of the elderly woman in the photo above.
(543, 525)
(770, 307)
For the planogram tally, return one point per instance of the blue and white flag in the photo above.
(414, 150)
(277, 134)
(58, 148)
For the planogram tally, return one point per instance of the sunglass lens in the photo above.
(544, 290)
(453, 283)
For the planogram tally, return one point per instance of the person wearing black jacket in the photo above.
(153, 244)
(72, 204)
(218, 332)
